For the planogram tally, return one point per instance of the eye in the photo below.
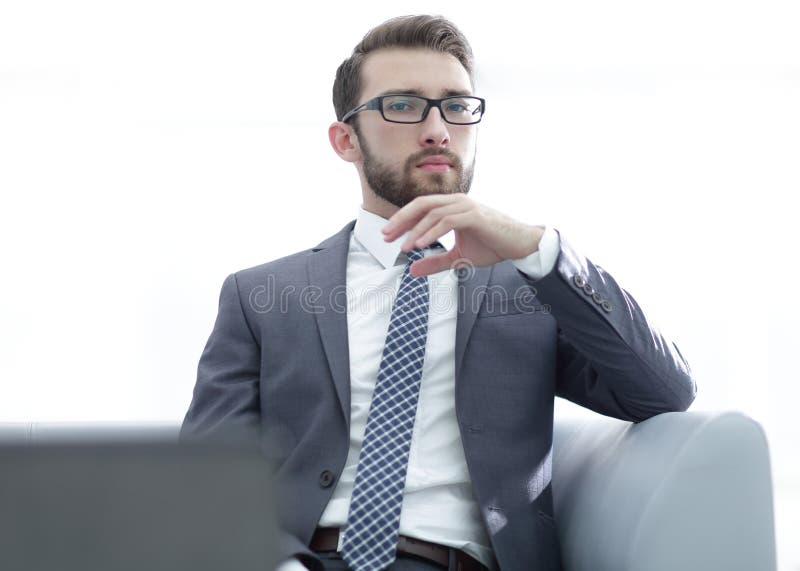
(400, 106)
(456, 107)
(403, 105)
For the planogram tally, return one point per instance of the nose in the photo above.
(434, 132)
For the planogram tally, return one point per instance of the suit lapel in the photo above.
(327, 270)
(471, 289)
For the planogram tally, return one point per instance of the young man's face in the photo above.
(394, 154)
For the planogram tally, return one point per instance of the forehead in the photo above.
(430, 72)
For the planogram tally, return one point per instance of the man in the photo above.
(414, 430)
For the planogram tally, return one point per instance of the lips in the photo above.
(436, 163)
(436, 160)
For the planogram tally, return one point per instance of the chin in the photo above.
(437, 183)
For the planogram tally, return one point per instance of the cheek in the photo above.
(386, 141)
(466, 146)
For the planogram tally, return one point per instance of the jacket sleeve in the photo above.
(225, 406)
(611, 359)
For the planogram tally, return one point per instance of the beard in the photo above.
(400, 188)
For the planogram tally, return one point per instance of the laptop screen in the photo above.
(134, 506)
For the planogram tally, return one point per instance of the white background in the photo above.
(150, 148)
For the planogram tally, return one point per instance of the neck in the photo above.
(376, 205)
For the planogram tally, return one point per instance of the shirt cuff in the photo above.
(542, 261)
(292, 564)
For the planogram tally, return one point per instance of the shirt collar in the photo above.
(368, 232)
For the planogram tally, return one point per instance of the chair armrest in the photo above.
(687, 491)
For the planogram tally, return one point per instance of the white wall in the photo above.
(148, 149)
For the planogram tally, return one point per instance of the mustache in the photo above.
(417, 158)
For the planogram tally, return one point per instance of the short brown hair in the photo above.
(430, 32)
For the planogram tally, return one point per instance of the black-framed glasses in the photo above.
(404, 108)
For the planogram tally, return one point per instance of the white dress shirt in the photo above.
(438, 502)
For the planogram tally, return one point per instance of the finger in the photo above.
(456, 221)
(405, 218)
(429, 221)
(432, 264)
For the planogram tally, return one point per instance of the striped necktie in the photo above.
(373, 523)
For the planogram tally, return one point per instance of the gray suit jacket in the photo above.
(275, 372)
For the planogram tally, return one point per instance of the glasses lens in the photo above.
(462, 110)
(403, 108)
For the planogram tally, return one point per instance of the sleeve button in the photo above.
(579, 280)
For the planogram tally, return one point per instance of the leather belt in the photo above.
(327, 539)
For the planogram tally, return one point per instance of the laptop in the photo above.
(127, 505)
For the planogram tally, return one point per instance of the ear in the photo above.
(344, 142)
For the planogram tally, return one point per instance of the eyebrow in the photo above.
(444, 92)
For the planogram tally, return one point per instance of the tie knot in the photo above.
(415, 254)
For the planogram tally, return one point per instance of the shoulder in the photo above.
(285, 266)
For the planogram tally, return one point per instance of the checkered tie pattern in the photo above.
(373, 523)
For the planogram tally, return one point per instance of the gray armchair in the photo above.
(681, 491)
